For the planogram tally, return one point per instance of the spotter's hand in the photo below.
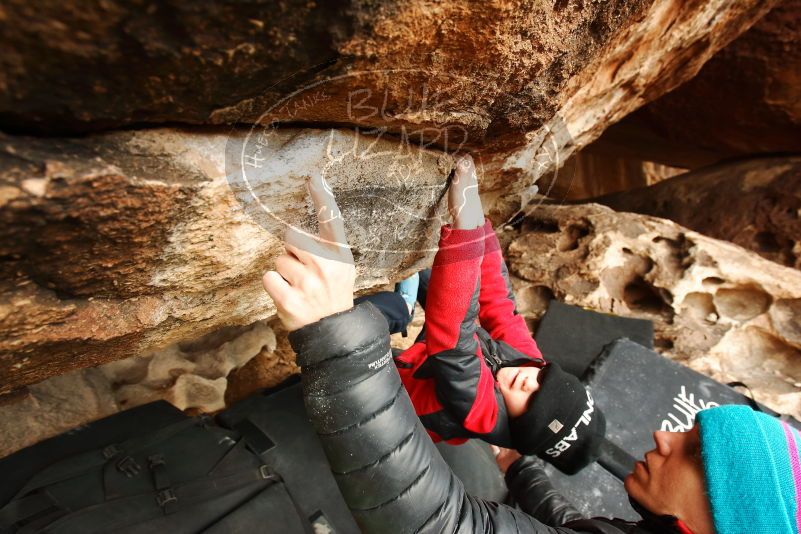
(316, 275)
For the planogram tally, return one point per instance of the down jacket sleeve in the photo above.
(390, 474)
(535, 494)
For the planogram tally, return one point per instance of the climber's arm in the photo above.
(389, 473)
(533, 491)
(452, 299)
(497, 308)
(316, 275)
(464, 382)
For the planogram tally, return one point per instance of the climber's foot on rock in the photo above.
(464, 203)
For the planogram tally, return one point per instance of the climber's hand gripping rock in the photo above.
(316, 275)
(464, 204)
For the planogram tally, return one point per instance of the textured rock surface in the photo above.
(117, 244)
(718, 308)
(194, 376)
(77, 65)
(747, 98)
(753, 203)
(54, 406)
(268, 369)
(648, 58)
(505, 77)
(189, 375)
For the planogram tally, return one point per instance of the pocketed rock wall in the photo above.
(198, 376)
(719, 308)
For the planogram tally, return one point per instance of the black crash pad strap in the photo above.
(258, 442)
(142, 507)
(25, 508)
(83, 462)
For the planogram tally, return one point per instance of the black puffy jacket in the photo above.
(390, 474)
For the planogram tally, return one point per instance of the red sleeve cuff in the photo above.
(457, 245)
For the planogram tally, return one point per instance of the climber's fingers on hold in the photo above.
(278, 288)
(305, 247)
(329, 217)
(290, 268)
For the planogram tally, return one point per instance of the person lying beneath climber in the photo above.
(475, 371)
(737, 471)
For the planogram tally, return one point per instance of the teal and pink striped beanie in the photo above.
(752, 470)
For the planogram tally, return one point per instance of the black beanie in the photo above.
(562, 425)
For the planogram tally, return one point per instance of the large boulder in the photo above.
(498, 76)
(114, 245)
(745, 100)
(716, 307)
(754, 203)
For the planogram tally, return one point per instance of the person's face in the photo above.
(517, 385)
(671, 480)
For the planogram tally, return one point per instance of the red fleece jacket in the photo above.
(446, 375)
